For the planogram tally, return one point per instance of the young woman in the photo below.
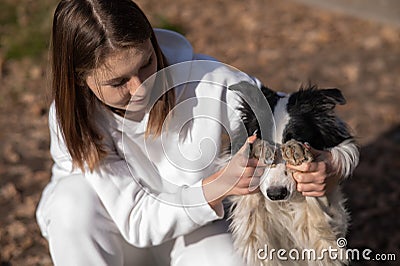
(134, 180)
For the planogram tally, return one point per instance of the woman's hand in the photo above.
(317, 178)
(240, 176)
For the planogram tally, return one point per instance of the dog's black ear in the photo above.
(333, 95)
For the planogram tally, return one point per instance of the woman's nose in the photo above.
(134, 84)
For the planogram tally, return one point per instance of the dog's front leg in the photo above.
(263, 151)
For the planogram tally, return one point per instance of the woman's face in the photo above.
(118, 81)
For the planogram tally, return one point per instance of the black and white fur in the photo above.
(292, 221)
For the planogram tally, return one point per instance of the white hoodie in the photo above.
(151, 188)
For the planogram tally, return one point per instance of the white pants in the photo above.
(80, 232)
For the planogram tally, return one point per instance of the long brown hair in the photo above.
(84, 33)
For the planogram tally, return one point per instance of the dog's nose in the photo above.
(277, 193)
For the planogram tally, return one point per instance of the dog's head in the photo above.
(304, 116)
(309, 117)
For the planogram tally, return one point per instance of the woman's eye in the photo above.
(121, 83)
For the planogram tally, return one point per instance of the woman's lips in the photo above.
(137, 100)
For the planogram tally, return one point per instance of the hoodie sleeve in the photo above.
(143, 217)
(345, 157)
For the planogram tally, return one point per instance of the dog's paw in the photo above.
(263, 151)
(296, 153)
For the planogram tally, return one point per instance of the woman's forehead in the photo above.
(126, 57)
(130, 53)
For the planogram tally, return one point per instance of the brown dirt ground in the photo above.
(281, 42)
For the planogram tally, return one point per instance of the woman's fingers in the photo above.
(246, 191)
(313, 178)
(247, 182)
(242, 174)
(247, 185)
(311, 187)
(314, 194)
(309, 177)
(253, 172)
(308, 167)
(245, 148)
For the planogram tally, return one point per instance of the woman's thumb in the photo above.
(245, 149)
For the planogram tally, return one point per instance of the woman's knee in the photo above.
(73, 206)
(77, 226)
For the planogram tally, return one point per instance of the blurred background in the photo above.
(353, 45)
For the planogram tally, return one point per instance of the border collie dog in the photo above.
(278, 225)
